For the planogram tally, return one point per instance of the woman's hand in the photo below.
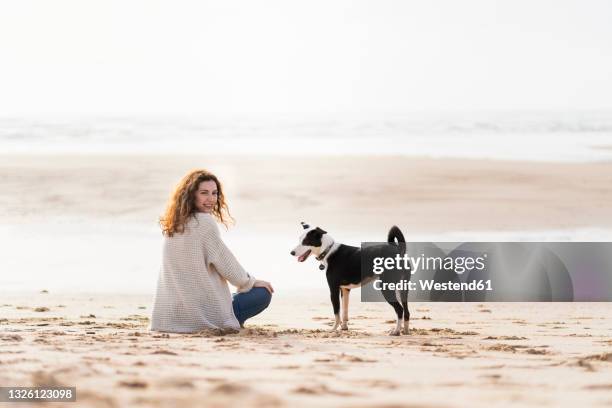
(263, 284)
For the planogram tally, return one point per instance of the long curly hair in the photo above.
(181, 205)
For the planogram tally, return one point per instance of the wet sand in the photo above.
(359, 193)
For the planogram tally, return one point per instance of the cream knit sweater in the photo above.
(192, 291)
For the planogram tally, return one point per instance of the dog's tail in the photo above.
(396, 237)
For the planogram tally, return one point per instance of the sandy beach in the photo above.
(511, 354)
(477, 355)
(451, 150)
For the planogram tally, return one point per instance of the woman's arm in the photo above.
(219, 255)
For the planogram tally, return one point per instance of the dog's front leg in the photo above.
(335, 299)
(337, 323)
(345, 304)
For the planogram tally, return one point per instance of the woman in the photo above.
(192, 291)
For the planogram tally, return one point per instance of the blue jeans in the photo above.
(251, 303)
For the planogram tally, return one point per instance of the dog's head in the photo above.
(313, 240)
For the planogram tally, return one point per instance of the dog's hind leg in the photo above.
(345, 304)
(398, 325)
(404, 298)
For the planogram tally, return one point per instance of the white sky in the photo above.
(303, 57)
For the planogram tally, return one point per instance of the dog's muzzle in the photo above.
(302, 257)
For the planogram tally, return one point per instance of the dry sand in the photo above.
(477, 355)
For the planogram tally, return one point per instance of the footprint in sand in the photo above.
(214, 379)
(451, 331)
(513, 348)
(537, 352)
(598, 357)
(598, 387)
(223, 394)
(323, 360)
(176, 383)
(133, 384)
(505, 347)
(504, 338)
(165, 352)
(11, 337)
(230, 389)
(344, 357)
(320, 389)
(492, 367)
(389, 385)
(585, 364)
(355, 359)
(491, 376)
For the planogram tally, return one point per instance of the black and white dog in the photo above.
(344, 271)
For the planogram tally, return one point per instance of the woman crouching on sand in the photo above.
(192, 291)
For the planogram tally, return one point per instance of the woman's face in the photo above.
(206, 196)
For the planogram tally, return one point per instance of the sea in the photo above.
(575, 136)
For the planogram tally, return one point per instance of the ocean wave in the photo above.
(520, 136)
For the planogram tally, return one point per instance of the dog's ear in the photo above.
(304, 225)
(321, 231)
